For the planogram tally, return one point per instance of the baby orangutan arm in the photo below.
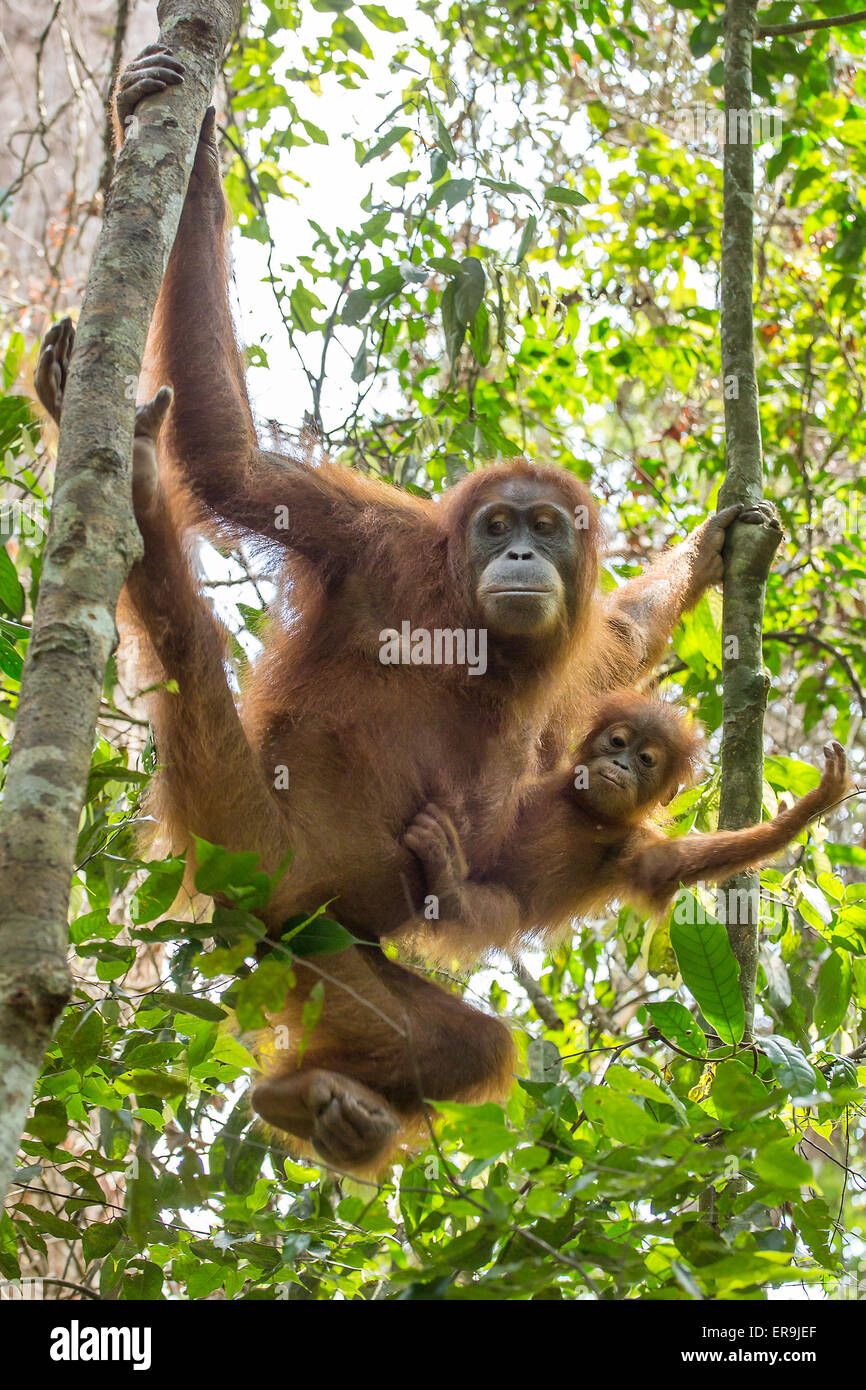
(654, 872)
(466, 917)
(433, 837)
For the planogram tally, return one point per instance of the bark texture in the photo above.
(751, 547)
(92, 542)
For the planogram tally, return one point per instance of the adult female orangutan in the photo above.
(337, 747)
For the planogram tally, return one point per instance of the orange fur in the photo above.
(570, 854)
(364, 745)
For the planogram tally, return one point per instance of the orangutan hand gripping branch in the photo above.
(332, 751)
(586, 836)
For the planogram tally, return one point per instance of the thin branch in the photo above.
(809, 639)
(749, 548)
(537, 997)
(802, 26)
(120, 28)
(81, 1289)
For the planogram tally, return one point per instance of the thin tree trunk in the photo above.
(92, 542)
(750, 548)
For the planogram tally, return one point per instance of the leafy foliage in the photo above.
(534, 269)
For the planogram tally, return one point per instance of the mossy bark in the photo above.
(751, 547)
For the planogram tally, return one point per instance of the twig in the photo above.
(801, 26)
(107, 172)
(537, 997)
(801, 639)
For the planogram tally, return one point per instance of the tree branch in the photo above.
(92, 543)
(810, 639)
(801, 26)
(750, 548)
(542, 1005)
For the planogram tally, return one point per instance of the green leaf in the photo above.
(675, 1022)
(246, 1163)
(453, 329)
(303, 302)
(262, 992)
(791, 775)
(526, 238)
(382, 146)
(80, 1037)
(205, 1279)
(263, 1256)
(316, 134)
(443, 139)
(469, 286)
(11, 661)
(218, 868)
(452, 192)
(834, 993)
(823, 913)
(383, 19)
(543, 1060)
(792, 1068)
(49, 1122)
(320, 937)
(50, 1222)
(620, 1117)
(505, 186)
(736, 1092)
(482, 1129)
(629, 1081)
(310, 1015)
(359, 363)
(479, 337)
(569, 197)
(356, 306)
(705, 36)
(99, 1239)
(187, 1004)
(790, 147)
(156, 894)
(11, 592)
(438, 166)
(782, 1167)
(709, 968)
(147, 1081)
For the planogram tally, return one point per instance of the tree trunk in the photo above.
(750, 547)
(91, 545)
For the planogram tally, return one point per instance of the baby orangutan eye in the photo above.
(648, 759)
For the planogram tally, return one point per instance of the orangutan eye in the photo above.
(497, 526)
(647, 759)
(617, 740)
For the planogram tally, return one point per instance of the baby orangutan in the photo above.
(585, 835)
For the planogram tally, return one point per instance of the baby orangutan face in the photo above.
(627, 770)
